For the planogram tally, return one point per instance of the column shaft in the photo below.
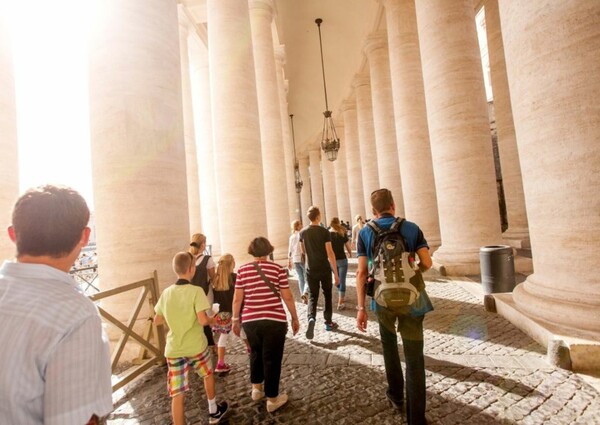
(236, 131)
(460, 138)
(276, 196)
(416, 168)
(9, 171)
(517, 233)
(138, 154)
(366, 137)
(305, 195)
(201, 98)
(554, 77)
(353, 160)
(316, 181)
(388, 166)
(329, 191)
(191, 160)
(341, 179)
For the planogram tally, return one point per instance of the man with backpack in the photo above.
(387, 271)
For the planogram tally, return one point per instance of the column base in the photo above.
(456, 263)
(518, 238)
(566, 347)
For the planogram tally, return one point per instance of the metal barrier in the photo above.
(151, 352)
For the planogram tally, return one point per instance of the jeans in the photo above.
(316, 280)
(342, 268)
(301, 272)
(266, 339)
(411, 331)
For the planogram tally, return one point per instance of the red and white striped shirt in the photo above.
(260, 303)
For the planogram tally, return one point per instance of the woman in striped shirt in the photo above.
(261, 286)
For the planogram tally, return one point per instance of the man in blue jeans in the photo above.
(408, 321)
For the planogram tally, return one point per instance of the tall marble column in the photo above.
(138, 152)
(9, 169)
(316, 182)
(288, 150)
(201, 98)
(554, 77)
(276, 196)
(388, 168)
(459, 129)
(305, 195)
(329, 190)
(353, 160)
(416, 167)
(341, 178)
(366, 136)
(517, 233)
(236, 130)
(191, 160)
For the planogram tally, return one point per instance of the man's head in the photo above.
(49, 221)
(382, 202)
(183, 264)
(313, 214)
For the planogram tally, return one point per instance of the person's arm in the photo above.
(203, 318)
(290, 251)
(361, 280)
(159, 320)
(331, 258)
(238, 297)
(425, 261)
(347, 245)
(288, 299)
(212, 273)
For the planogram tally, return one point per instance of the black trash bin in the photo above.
(497, 272)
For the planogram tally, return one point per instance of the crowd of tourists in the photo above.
(61, 359)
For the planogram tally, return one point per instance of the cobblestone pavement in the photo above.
(480, 370)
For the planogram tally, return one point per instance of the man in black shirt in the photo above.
(315, 242)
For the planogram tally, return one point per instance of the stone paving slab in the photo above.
(480, 370)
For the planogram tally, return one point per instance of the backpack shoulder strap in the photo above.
(374, 226)
(397, 224)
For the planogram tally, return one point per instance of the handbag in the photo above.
(267, 281)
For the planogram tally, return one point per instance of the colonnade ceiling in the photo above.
(345, 25)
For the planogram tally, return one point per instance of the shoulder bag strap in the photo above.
(267, 281)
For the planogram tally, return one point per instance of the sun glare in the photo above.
(49, 40)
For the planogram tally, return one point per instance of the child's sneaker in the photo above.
(222, 367)
(330, 326)
(215, 418)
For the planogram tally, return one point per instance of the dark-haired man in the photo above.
(409, 322)
(315, 242)
(56, 362)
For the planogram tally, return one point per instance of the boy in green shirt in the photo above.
(182, 307)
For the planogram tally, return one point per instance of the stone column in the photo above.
(329, 190)
(316, 182)
(460, 136)
(236, 130)
(191, 160)
(554, 77)
(416, 168)
(305, 195)
(517, 233)
(9, 169)
(138, 152)
(388, 167)
(201, 98)
(341, 179)
(366, 137)
(353, 160)
(276, 196)
(288, 149)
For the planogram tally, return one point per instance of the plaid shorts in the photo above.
(179, 367)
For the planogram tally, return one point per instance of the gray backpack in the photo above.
(397, 283)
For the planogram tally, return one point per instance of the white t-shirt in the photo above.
(294, 247)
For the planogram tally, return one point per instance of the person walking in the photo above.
(261, 286)
(296, 257)
(315, 241)
(360, 223)
(407, 320)
(339, 241)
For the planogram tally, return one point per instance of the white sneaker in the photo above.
(257, 394)
(280, 400)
